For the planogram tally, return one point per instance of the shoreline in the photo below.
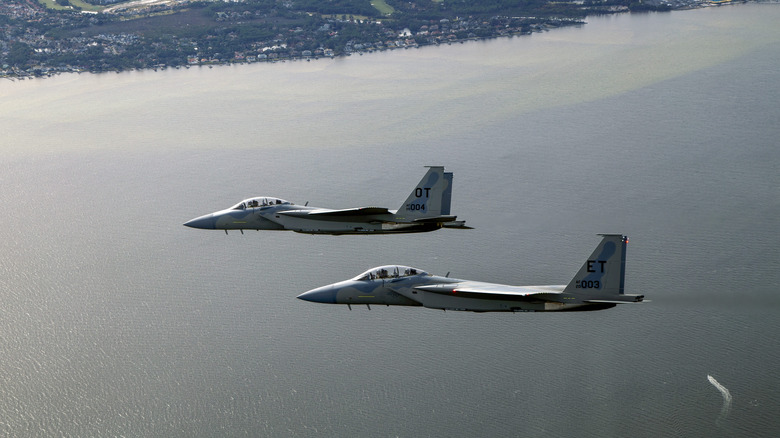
(546, 25)
(550, 24)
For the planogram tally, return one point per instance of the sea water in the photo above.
(115, 320)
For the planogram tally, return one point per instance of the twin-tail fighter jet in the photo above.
(597, 285)
(426, 209)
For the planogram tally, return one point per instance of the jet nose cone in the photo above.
(206, 222)
(325, 294)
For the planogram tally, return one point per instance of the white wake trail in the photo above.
(724, 411)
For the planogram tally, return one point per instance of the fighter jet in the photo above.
(426, 209)
(597, 285)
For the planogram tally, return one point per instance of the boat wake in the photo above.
(724, 411)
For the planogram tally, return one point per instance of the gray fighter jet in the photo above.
(426, 209)
(597, 285)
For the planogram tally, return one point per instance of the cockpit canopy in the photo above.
(389, 271)
(260, 201)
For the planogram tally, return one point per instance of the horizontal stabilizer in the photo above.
(435, 219)
(461, 225)
(359, 211)
(630, 299)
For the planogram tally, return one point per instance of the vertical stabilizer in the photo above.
(446, 196)
(603, 274)
(431, 197)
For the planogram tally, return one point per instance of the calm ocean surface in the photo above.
(115, 320)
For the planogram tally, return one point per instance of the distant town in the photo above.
(40, 38)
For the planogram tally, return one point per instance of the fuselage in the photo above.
(405, 286)
(426, 208)
(268, 213)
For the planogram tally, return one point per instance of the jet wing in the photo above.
(313, 214)
(489, 290)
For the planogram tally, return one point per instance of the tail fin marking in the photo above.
(603, 273)
(431, 196)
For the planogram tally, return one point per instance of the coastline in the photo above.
(517, 26)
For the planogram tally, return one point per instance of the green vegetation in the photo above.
(56, 4)
(382, 7)
(78, 5)
(84, 6)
